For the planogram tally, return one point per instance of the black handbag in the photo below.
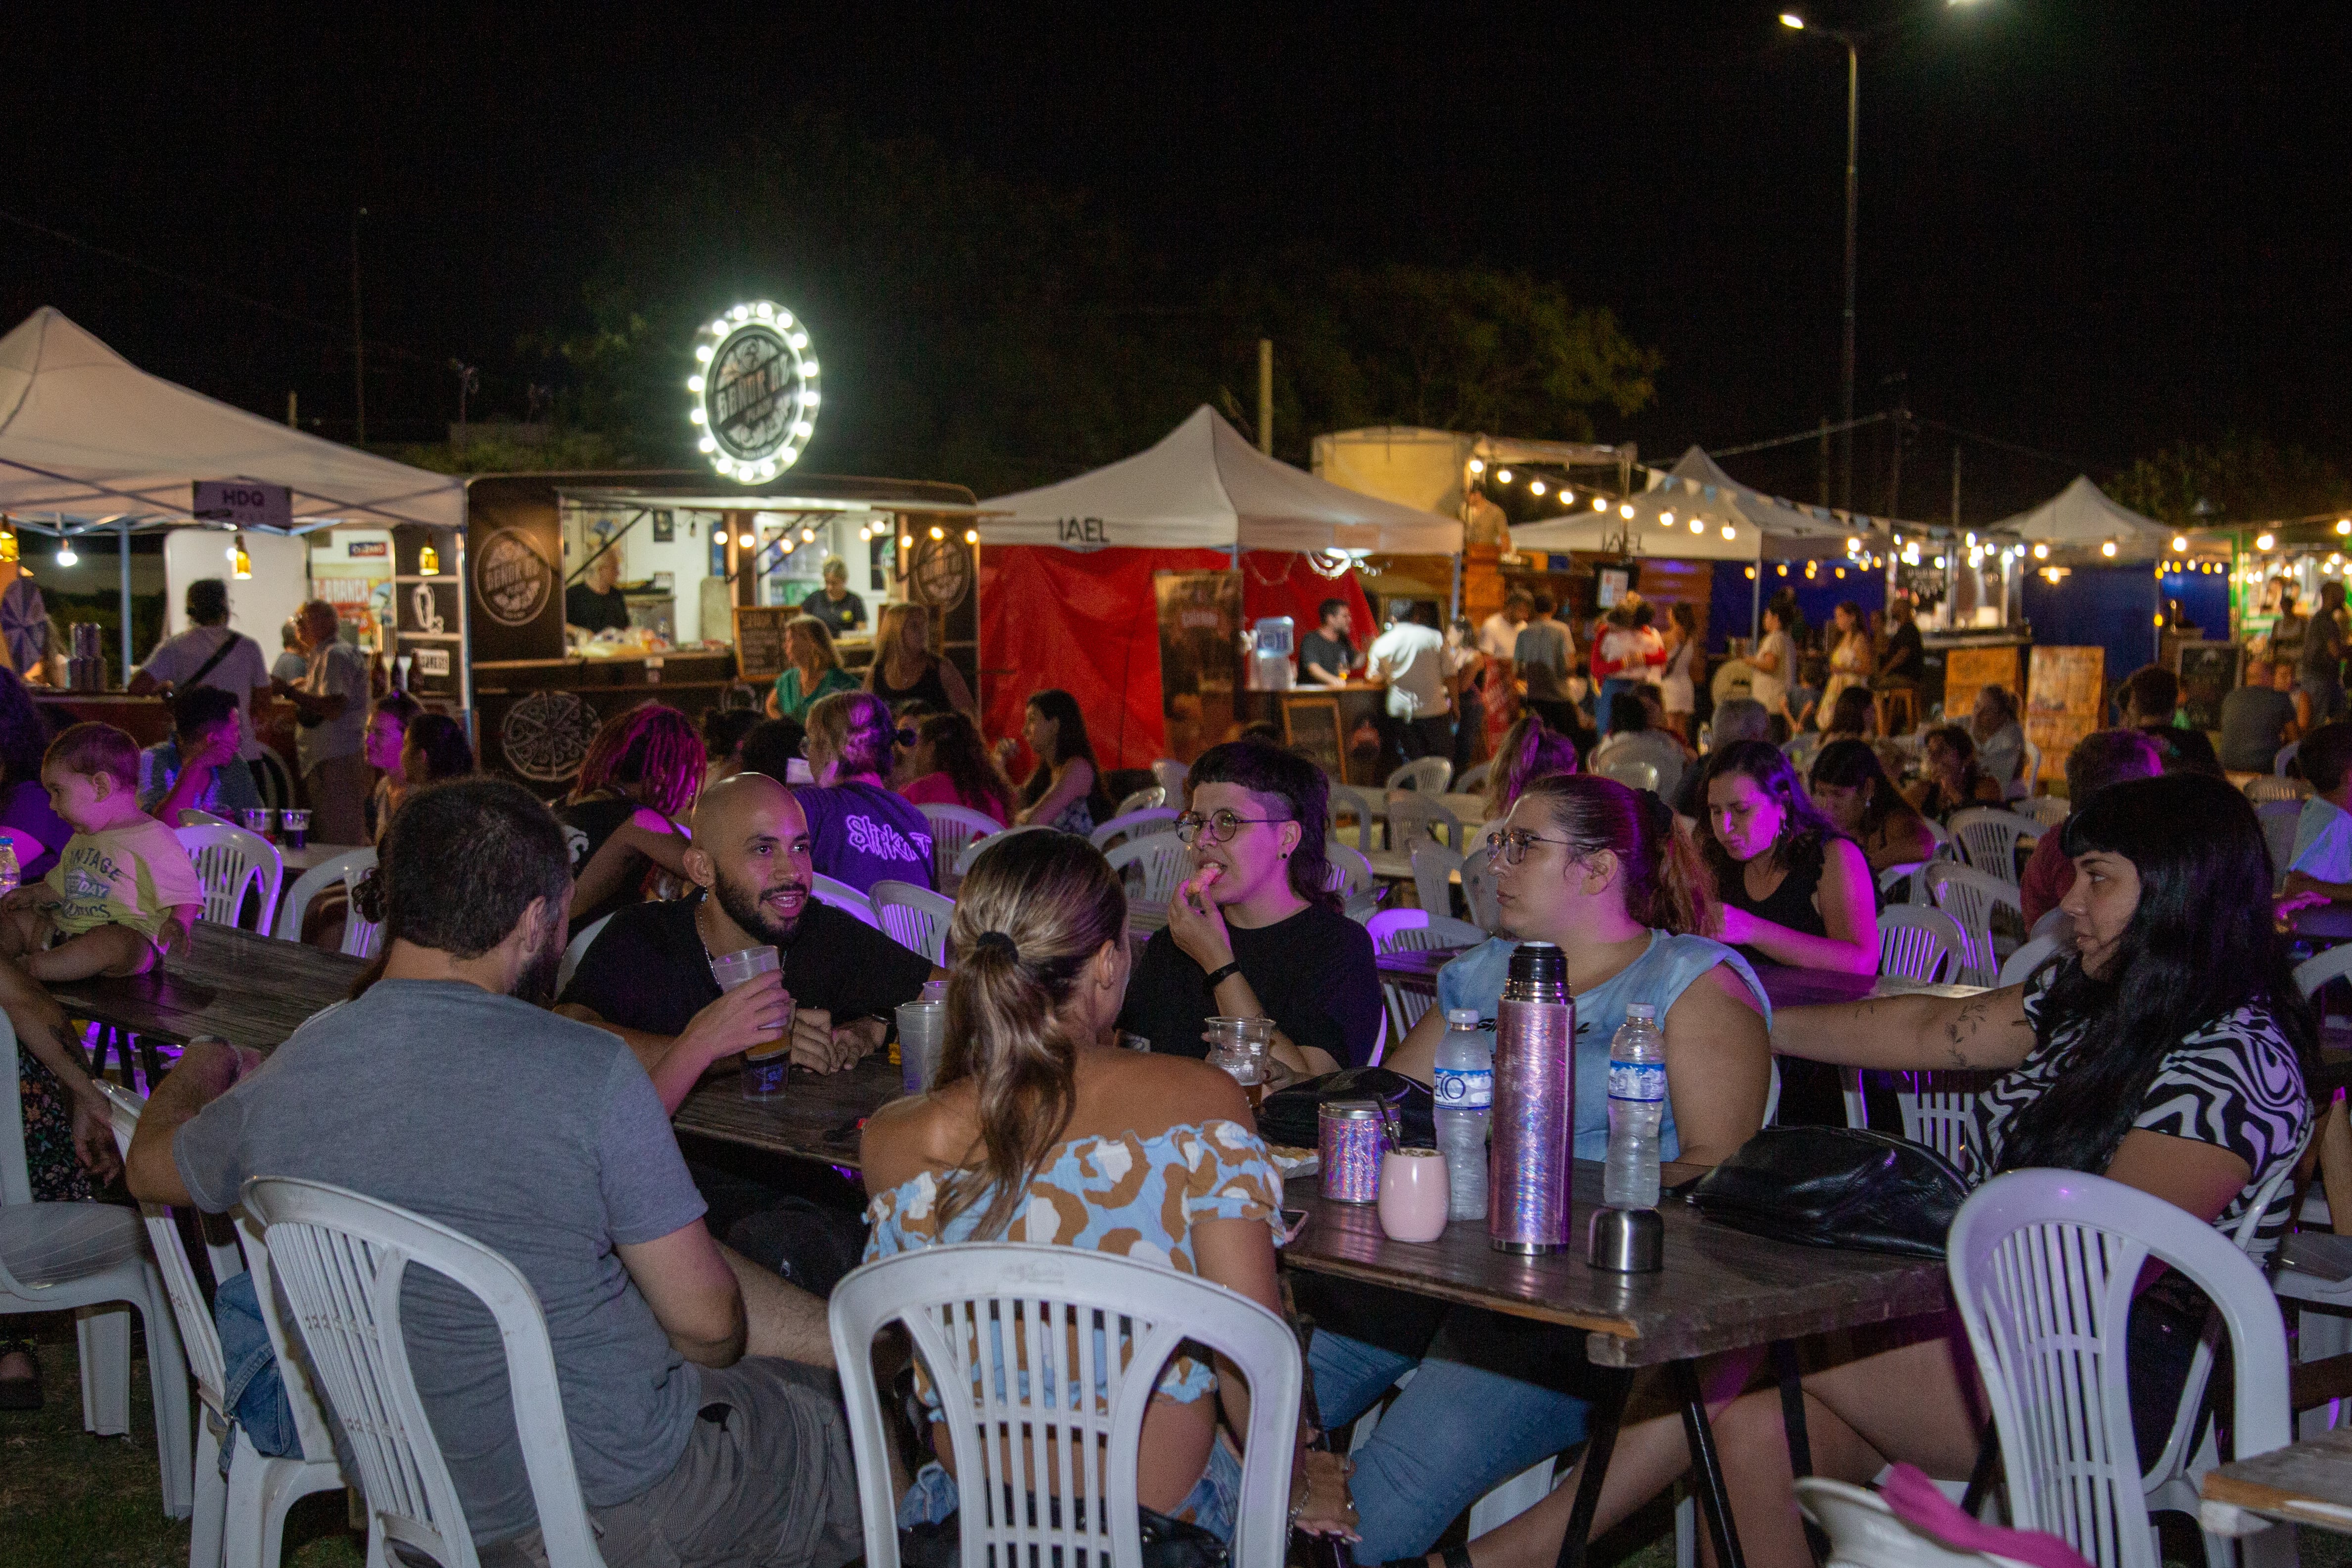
(1167, 1542)
(1835, 1186)
(1289, 1115)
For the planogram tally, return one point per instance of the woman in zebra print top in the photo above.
(2167, 1051)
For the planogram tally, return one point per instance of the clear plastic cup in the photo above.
(765, 1065)
(294, 828)
(1240, 1046)
(262, 820)
(922, 1030)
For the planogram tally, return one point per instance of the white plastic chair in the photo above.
(575, 949)
(954, 829)
(2313, 973)
(361, 938)
(2279, 819)
(825, 890)
(1161, 861)
(1413, 818)
(1119, 1320)
(229, 861)
(1434, 866)
(1363, 906)
(1355, 803)
(1479, 890)
(1864, 1533)
(56, 1256)
(1943, 837)
(2050, 810)
(1349, 873)
(1172, 775)
(1629, 772)
(1919, 943)
(2043, 1264)
(915, 918)
(1969, 896)
(239, 1520)
(2028, 782)
(1895, 876)
(1415, 931)
(1133, 824)
(1430, 775)
(2030, 956)
(1474, 781)
(1938, 1109)
(2269, 788)
(2281, 764)
(341, 1258)
(1143, 800)
(1989, 838)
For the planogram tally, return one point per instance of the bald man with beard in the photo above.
(646, 977)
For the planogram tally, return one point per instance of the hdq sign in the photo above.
(755, 395)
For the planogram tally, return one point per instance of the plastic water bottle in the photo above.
(10, 875)
(1637, 1103)
(1465, 1100)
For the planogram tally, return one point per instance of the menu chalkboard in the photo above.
(1311, 725)
(2208, 672)
(760, 640)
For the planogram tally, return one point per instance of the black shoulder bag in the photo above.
(1835, 1186)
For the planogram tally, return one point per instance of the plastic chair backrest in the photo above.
(1939, 832)
(1350, 871)
(954, 829)
(1414, 818)
(1417, 931)
(1989, 838)
(1134, 825)
(1430, 775)
(1172, 775)
(2279, 820)
(915, 918)
(340, 1256)
(1357, 804)
(2313, 973)
(1893, 878)
(198, 1336)
(1629, 772)
(2049, 810)
(2265, 787)
(1434, 866)
(1864, 1533)
(2284, 764)
(228, 862)
(1161, 861)
(2029, 774)
(1969, 896)
(575, 949)
(2030, 956)
(2043, 1265)
(1363, 906)
(1474, 781)
(16, 1177)
(1142, 800)
(1479, 890)
(361, 938)
(1919, 943)
(826, 889)
(1065, 1317)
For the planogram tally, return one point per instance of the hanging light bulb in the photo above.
(2264, 541)
(1939, 564)
(65, 556)
(1600, 504)
(8, 546)
(1665, 519)
(744, 541)
(1477, 464)
(1697, 526)
(906, 542)
(2344, 525)
(243, 563)
(808, 536)
(1729, 531)
(1504, 475)
(2108, 548)
(1535, 487)
(971, 536)
(2041, 552)
(428, 561)
(1626, 511)
(938, 532)
(2181, 544)
(1853, 545)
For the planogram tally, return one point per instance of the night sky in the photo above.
(2087, 229)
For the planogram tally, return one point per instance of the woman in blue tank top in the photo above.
(1597, 868)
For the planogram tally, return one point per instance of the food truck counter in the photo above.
(535, 717)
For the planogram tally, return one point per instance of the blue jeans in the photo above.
(1211, 1503)
(1610, 688)
(1452, 1436)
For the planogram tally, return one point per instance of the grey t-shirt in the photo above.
(336, 669)
(2253, 722)
(1541, 657)
(541, 1138)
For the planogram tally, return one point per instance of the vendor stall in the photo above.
(1080, 580)
(2094, 580)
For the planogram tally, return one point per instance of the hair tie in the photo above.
(997, 940)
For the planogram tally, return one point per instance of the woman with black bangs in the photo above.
(2168, 1051)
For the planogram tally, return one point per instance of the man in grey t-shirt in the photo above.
(441, 1090)
(333, 696)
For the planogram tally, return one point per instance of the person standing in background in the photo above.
(1500, 633)
(598, 604)
(290, 660)
(1327, 656)
(1678, 682)
(332, 699)
(1465, 672)
(1408, 658)
(1542, 658)
(1773, 659)
(2319, 672)
(835, 605)
(1907, 657)
(2259, 717)
(209, 654)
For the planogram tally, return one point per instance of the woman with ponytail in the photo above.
(861, 831)
(1037, 1131)
(1597, 868)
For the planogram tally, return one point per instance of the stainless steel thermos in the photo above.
(1535, 1104)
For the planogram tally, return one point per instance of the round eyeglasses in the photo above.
(1511, 846)
(1217, 827)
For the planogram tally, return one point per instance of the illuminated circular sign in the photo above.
(755, 395)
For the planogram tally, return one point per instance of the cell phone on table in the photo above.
(1292, 1222)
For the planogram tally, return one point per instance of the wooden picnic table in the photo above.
(816, 1117)
(1416, 970)
(2303, 1483)
(247, 990)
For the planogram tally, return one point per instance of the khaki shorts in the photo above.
(766, 1482)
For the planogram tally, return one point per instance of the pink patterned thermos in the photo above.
(1535, 1104)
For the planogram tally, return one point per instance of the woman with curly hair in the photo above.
(626, 816)
(950, 765)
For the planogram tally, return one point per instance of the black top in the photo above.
(1790, 904)
(594, 612)
(837, 617)
(1337, 655)
(586, 825)
(1906, 658)
(927, 685)
(1312, 972)
(647, 969)
(2253, 725)
(2184, 751)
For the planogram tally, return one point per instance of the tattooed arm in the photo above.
(1989, 1030)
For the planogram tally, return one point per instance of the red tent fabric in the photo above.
(1087, 621)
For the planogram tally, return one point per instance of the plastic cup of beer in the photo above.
(262, 820)
(1241, 1046)
(294, 827)
(764, 1065)
(922, 1030)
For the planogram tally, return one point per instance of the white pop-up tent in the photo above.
(86, 436)
(1696, 511)
(1202, 486)
(2082, 518)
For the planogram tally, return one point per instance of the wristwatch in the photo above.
(1219, 977)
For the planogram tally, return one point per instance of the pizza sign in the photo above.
(755, 393)
(512, 579)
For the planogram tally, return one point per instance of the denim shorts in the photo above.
(1209, 1504)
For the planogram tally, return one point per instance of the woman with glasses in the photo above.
(1597, 868)
(1252, 934)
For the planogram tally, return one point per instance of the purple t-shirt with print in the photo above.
(862, 834)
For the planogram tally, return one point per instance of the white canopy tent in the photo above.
(1696, 511)
(1204, 487)
(2082, 518)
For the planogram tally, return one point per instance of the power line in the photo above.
(200, 284)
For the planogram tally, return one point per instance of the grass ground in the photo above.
(71, 1500)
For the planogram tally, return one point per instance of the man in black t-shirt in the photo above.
(598, 604)
(647, 976)
(1326, 654)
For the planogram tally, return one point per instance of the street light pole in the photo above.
(1845, 347)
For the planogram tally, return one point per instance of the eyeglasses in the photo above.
(1221, 825)
(1511, 847)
